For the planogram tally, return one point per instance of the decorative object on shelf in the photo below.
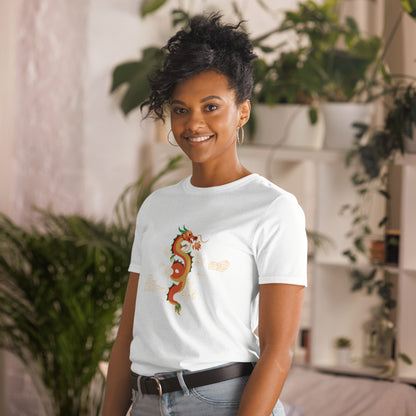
(343, 347)
(392, 241)
(62, 284)
(379, 337)
(305, 343)
(377, 251)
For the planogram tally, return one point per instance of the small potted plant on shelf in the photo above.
(343, 347)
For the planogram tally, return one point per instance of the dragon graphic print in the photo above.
(184, 244)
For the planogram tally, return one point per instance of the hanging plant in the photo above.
(374, 153)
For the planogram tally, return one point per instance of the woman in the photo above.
(218, 253)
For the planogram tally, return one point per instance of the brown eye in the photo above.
(211, 107)
(179, 110)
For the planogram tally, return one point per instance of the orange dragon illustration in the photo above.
(182, 259)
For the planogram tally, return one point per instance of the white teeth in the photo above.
(198, 139)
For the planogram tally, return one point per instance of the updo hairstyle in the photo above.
(205, 44)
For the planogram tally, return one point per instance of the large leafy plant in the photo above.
(133, 75)
(62, 284)
(339, 60)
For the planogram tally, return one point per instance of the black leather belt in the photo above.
(158, 386)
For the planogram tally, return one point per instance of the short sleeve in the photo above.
(136, 252)
(281, 243)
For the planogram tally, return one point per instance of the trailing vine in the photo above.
(373, 154)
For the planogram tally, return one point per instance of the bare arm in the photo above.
(118, 389)
(279, 317)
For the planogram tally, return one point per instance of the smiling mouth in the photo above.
(199, 138)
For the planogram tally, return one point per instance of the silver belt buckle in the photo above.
(159, 386)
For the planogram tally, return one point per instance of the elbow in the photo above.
(279, 356)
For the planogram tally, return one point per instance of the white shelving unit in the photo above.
(322, 185)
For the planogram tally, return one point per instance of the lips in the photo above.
(199, 139)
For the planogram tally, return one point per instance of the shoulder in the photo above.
(159, 196)
(273, 196)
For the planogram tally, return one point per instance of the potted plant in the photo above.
(344, 63)
(284, 102)
(343, 351)
(62, 284)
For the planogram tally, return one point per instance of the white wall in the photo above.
(8, 31)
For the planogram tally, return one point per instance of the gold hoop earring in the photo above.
(240, 138)
(172, 144)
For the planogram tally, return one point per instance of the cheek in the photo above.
(175, 125)
(225, 120)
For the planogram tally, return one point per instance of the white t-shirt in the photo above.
(201, 254)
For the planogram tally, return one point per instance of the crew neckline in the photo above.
(187, 185)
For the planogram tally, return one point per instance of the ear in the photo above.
(244, 112)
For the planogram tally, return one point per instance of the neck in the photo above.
(205, 176)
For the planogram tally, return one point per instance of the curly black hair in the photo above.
(205, 44)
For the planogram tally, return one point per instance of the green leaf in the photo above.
(386, 74)
(366, 230)
(349, 157)
(383, 222)
(150, 6)
(358, 244)
(180, 17)
(266, 49)
(344, 208)
(313, 115)
(135, 74)
(384, 193)
(405, 358)
(409, 6)
(350, 255)
(362, 129)
(124, 73)
(352, 24)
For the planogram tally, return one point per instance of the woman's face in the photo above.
(205, 117)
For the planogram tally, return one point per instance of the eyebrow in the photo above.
(210, 97)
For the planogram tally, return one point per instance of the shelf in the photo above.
(408, 380)
(321, 183)
(361, 266)
(408, 159)
(354, 370)
(295, 153)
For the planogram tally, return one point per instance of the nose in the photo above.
(195, 120)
